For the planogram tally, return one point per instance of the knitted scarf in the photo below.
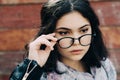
(105, 72)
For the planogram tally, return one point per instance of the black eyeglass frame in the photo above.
(73, 40)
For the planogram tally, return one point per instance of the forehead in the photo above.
(72, 20)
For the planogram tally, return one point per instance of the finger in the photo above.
(52, 34)
(49, 37)
(37, 43)
(52, 45)
(48, 49)
(44, 39)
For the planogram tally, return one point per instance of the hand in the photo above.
(41, 56)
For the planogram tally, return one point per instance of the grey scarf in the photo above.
(106, 72)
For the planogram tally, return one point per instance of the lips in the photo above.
(76, 52)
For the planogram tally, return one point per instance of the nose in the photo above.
(76, 41)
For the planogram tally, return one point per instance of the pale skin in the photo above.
(73, 25)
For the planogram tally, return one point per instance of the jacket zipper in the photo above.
(27, 73)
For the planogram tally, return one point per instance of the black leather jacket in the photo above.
(27, 70)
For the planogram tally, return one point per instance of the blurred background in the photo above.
(20, 21)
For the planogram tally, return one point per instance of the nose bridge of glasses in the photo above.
(76, 40)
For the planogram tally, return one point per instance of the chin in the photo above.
(77, 58)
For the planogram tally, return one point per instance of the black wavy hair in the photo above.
(52, 11)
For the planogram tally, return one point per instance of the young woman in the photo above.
(69, 46)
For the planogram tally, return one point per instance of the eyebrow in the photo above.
(84, 26)
(70, 29)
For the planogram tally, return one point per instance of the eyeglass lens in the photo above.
(67, 42)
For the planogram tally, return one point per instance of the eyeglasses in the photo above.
(67, 42)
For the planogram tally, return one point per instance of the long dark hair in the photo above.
(52, 11)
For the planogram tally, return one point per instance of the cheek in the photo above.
(62, 51)
(87, 48)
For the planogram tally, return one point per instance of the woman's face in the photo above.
(73, 25)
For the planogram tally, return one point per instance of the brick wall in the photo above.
(20, 20)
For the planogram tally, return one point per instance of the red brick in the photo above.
(114, 56)
(108, 12)
(32, 1)
(4, 77)
(22, 36)
(20, 16)
(15, 39)
(9, 60)
(118, 77)
(111, 37)
(21, 1)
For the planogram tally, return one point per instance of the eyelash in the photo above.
(84, 30)
(63, 33)
(66, 33)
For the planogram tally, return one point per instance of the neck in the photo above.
(77, 65)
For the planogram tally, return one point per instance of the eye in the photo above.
(84, 30)
(63, 33)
